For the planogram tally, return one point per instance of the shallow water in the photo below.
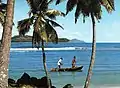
(106, 71)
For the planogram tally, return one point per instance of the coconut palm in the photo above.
(43, 26)
(6, 40)
(3, 7)
(2, 12)
(93, 9)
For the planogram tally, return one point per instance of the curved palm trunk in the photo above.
(87, 82)
(5, 44)
(45, 66)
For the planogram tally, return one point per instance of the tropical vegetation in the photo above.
(6, 19)
(28, 38)
(41, 17)
(93, 9)
(43, 20)
(3, 7)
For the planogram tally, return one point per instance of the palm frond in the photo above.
(50, 1)
(78, 11)
(108, 4)
(111, 2)
(84, 18)
(39, 30)
(70, 5)
(54, 24)
(37, 5)
(96, 9)
(51, 16)
(3, 7)
(36, 39)
(30, 3)
(54, 12)
(2, 16)
(51, 33)
(36, 25)
(43, 6)
(43, 34)
(84, 8)
(24, 26)
(59, 1)
(36, 33)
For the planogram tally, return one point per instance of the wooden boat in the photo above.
(66, 69)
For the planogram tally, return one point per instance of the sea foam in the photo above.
(35, 49)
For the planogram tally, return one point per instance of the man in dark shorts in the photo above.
(74, 62)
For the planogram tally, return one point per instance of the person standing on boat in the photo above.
(74, 62)
(59, 63)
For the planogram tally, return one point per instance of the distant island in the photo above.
(28, 38)
(76, 41)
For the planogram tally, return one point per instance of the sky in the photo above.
(107, 30)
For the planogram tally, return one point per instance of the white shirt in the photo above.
(59, 62)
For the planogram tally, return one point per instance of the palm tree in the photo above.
(93, 9)
(43, 24)
(3, 7)
(6, 42)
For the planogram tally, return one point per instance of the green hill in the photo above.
(76, 41)
(22, 38)
(28, 38)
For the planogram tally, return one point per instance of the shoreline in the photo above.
(101, 86)
(94, 86)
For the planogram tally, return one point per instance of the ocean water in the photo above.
(106, 71)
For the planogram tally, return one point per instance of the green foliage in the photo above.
(28, 38)
(63, 40)
(37, 5)
(2, 18)
(86, 7)
(51, 13)
(42, 20)
(59, 1)
(2, 12)
(24, 26)
(22, 38)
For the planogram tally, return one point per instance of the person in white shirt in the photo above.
(59, 63)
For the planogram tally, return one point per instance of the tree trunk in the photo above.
(5, 44)
(87, 82)
(45, 66)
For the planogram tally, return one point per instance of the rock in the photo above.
(42, 82)
(25, 76)
(11, 82)
(68, 86)
(29, 82)
(25, 79)
(38, 83)
(33, 81)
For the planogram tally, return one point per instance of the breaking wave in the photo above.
(58, 49)
(35, 49)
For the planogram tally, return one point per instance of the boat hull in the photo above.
(66, 69)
